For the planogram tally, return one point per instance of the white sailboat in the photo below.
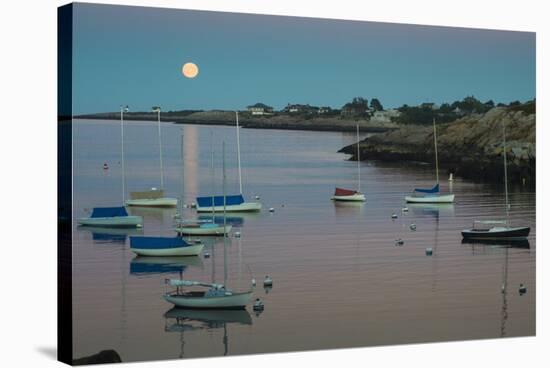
(231, 203)
(201, 227)
(431, 195)
(500, 229)
(114, 216)
(216, 296)
(348, 195)
(154, 197)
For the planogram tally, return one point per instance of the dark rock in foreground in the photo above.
(103, 357)
(470, 147)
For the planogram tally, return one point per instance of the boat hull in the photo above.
(243, 207)
(358, 197)
(447, 198)
(497, 233)
(119, 221)
(214, 231)
(190, 250)
(235, 301)
(152, 202)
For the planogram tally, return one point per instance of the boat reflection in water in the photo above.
(143, 266)
(500, 243)
(164, 215)
(103, 235)
(351, 208)
(180, 320)
(494, 246)
(432, 210)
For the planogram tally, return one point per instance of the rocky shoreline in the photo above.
(470, 147)
(316, 123)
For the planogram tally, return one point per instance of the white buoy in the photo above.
(429, 251)
(522, 289)
(393, 216)
(412, 227)
(237, 234)
(271, 209)
(268, 281)
(105, 166)
(257, 197)
(206, 255)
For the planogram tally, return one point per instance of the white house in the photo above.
(385, 115)
(260, 109)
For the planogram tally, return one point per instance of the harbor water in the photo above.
(339, 279)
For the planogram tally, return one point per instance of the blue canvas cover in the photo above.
(231, 200)
(109, 212)
(156, 242)
(433, 190)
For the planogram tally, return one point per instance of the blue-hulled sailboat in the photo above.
(431, 195)
(233, 203)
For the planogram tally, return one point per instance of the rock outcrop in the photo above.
(470, 147)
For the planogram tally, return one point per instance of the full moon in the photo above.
(190, 70)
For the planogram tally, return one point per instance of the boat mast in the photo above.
(239, 153)
(182, 175)
(358, 163)
(224, 220)
(505, 171)
(157, 109)
(212, 173)
(436, 159)
(122, 109)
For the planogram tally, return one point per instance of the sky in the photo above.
(133, 56)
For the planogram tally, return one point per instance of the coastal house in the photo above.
(324, 110)
(260, 109)
(300, 109)
(385, 116)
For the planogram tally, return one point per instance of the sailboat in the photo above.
(431, 195)
(114, 216)
(154, 197)
(216, 296)
(501, 229)
(231, 203)
(201, 226)
(347, 194)
(159, 246)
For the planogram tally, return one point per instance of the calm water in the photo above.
(339, 280)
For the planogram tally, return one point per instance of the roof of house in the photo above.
(260, 105)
